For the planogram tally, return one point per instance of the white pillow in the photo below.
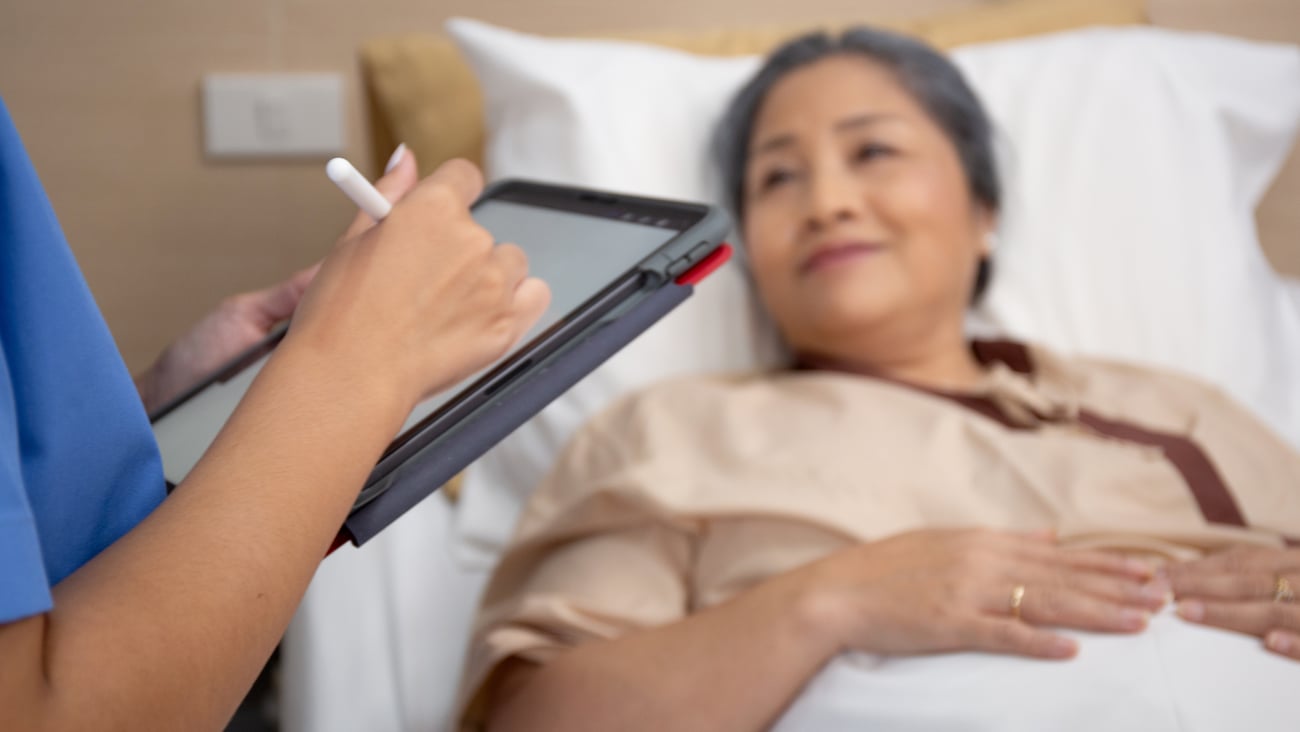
(1134, 160)
(1134, 163)
(620, 116)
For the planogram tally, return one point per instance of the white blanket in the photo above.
(1174, 676)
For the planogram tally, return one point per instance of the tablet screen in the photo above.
(578, 253)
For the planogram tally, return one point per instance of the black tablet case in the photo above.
(447, 456)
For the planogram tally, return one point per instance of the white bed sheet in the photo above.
(1173, 677)
(379, 641)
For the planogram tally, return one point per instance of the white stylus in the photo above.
(356, 187)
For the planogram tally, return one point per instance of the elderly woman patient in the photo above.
(904, 529)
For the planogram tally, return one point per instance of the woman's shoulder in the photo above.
(685, 400)
(630, 444)
(1103, 380)
(701, 399)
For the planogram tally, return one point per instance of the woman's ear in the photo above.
(986, 223)
(989, 244)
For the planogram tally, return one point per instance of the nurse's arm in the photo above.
(169, 626)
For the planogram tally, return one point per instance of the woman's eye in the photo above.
(871, 151)
(775, 178)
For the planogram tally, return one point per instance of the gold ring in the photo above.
(1017, 597)
(1282, 591)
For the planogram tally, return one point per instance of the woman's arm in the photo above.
(167, 628)
(731, 667)
(738, 665)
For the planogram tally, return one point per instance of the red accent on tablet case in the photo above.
(344, 537)
(706, 266)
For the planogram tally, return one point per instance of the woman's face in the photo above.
(859, 220)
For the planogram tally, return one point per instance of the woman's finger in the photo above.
(1046, 605)
(1091, 561)
(999, 635)
(1252, 618)
(1148, 594)
(1240, 560)
(1284, 643)
(1218, 586)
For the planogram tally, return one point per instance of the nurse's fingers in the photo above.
(394, 184)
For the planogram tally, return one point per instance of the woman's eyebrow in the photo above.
(858, 121)
(773, 144)
(863, 120)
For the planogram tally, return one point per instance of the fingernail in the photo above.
(1278, 641)
(1191, 610)
(1062, 647)
(1132, 619)
(395, 158)
(1155, 591)
(1169, 597)
(1138, 566)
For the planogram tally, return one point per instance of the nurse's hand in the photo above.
(410, 306)
(236, 325)
(243, 320)
(1251, 590)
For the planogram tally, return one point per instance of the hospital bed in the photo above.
(380, 638)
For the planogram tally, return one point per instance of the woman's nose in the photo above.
(832, 199)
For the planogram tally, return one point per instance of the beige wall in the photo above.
(106, 96)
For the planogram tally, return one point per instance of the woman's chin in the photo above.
(852, 311)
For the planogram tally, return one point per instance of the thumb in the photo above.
(398, 179)
(278, 302)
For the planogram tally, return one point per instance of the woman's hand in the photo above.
(1250, 590)
(242, 320)
(953, 590)
(412, 305)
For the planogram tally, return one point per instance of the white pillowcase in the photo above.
(1134, 159)
(1134, 163)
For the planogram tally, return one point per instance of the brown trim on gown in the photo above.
(1212, 495)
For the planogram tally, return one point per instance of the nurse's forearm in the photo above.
(733, 667)
(169, 627)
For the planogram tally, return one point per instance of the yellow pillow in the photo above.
(422, 92)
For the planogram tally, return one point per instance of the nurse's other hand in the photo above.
(1251, 590)
(240, 321)
(414, 304)
(950, 590)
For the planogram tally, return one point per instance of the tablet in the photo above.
(615, 264)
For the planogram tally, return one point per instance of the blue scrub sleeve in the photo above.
(24, 585)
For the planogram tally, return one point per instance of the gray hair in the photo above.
(931, 79)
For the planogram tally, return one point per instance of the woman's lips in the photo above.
(833, 255)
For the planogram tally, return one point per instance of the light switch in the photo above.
(273, 115)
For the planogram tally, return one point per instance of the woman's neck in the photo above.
(943, 361)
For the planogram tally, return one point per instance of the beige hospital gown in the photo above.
(677, 498)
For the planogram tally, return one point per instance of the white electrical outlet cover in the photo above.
(273, 115)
